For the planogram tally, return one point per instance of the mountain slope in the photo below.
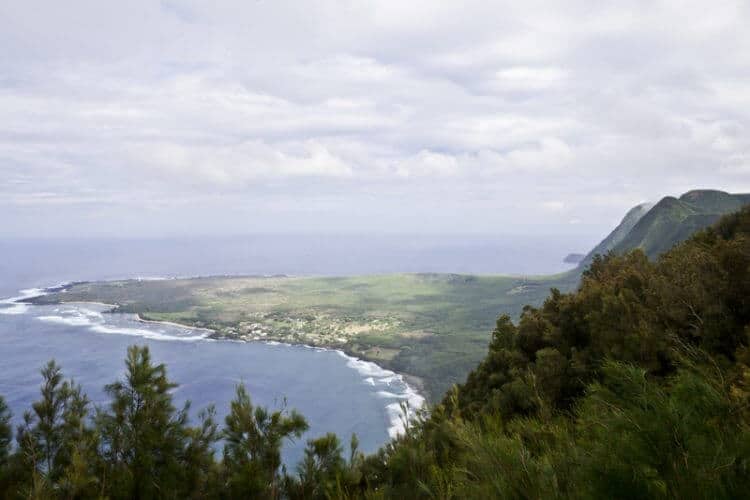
(619, 233)
(655, 229)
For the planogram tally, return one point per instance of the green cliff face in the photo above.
(655, 229)
(619, 233)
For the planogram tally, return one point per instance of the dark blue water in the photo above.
(336, 394)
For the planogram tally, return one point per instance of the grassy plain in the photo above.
(432, 327)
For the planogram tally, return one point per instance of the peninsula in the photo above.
(431, 328)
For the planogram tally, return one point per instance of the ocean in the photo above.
(334, 392)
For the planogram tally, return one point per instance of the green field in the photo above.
(431, 327)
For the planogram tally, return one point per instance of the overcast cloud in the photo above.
(174, 117)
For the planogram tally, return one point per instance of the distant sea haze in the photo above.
(42, 262)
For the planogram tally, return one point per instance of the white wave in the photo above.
(380, 378)
(416, 401)
(386, 394)
(399, 415)
(66, 320)
(396, 417)
(13, 305)
(139, 332)
(377, 376)
(276, 343)
(92, 314)
(393, 378)
(96, 322)
(13, 308)
(368, 368)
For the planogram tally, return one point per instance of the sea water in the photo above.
(334, 392)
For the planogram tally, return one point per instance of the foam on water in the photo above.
(13, 308)
(87, 316)
(62, 320)
(148, 334)
(13, 305)
(388, 384)
(391, 386)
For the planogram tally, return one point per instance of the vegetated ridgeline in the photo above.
(655, 228)
(636, 385)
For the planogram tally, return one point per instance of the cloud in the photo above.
(553, 206)
(526, 79)
(475, 109)
(234, 165)
(428, 163)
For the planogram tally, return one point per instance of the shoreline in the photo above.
(413, 383)
(140, 319)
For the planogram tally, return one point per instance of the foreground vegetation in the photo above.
(637, 385)
(431, 326)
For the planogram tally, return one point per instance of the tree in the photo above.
(252, 453)
(322, 470)
(200, 463)
(5, 443)
(143, 436)
(56, 444)
(638, 438)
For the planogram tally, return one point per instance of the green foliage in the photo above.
(200, 467)
(55, 447)
(682, 439)
(5, 443)
(252, 453)
(618, 234)
(142, 434)
(655, 230)
(320, 471)
(626, 308)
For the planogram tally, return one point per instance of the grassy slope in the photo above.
(618, 234)
(673, 220)
(432, 326)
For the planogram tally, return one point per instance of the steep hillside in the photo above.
(619, 233)
(655, 229)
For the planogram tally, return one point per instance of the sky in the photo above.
(180, 117)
